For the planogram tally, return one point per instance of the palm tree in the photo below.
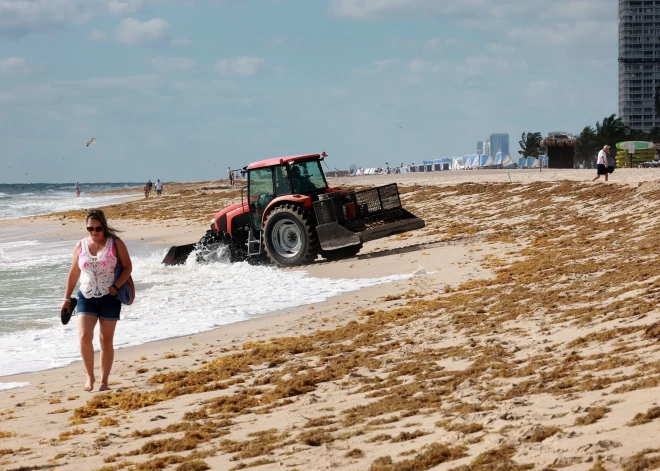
(637, 135)
(530, 143)
(588, 146)
(612, 130)
(654, 135)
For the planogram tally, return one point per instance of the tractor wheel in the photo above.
(212, 242)
(339, 254)
(290, 236)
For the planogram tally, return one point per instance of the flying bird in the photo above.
(90, 142)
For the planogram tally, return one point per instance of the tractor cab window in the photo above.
(260, 193)
(307, 177)
(282, 184)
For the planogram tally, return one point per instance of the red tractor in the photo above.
(291, 216)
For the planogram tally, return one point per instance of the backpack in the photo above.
(126, 292)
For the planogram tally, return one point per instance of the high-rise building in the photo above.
(480, 147)
(487, 147)
(639, 62)
(499, 143)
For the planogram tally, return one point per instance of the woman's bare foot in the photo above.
(89, 385)
(104, 387)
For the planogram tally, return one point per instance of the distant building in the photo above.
(480, 147)
(639, 63)
(499, 143)
(486, 147)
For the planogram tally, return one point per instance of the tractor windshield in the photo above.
(307, 176)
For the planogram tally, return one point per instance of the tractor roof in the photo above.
(281, 160)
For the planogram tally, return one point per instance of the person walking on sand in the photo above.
(601, 163)
(150, 185)
(146, 190)
(77, 189)
(94, 261)
(159, 187)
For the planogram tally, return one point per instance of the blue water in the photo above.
(32, 199)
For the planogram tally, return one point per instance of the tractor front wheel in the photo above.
(290, 236)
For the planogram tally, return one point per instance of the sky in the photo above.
(181, 89)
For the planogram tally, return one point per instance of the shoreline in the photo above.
(517, 343)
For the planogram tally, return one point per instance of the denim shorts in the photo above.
(107, 307)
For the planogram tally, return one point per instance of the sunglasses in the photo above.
(95, 229)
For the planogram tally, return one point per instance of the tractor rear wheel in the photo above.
(339, 254)
(290, 236)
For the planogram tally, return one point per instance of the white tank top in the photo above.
(97, 273)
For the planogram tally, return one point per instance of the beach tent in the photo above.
(543, 160)
(507, 162)
(457, 163)
(403, 170)
(428, 165)
(498, 158)
(490, 162)
(532, 162)
(437, 164)
(522, 162)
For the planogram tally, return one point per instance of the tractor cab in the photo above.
(277, 178)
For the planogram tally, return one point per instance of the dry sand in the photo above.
(528, 338)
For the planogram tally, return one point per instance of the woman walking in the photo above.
(94, 261)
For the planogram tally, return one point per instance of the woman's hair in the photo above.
(98, 215)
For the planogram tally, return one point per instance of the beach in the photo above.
(518, 329)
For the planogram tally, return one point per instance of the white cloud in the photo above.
(500, 49)
(566, 9)
(98, 36)
(240, 66)
(540, 93)
(176, 42)
(564, 33)
(278, 41)
(418, 66)
(123, 7)
(475, 66)
(12, 65)
(434, 44)
(375, 67)
(172, 64)
(21, 17)
(132, 31)
(441, 44)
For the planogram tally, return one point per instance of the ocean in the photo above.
(170, 301)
